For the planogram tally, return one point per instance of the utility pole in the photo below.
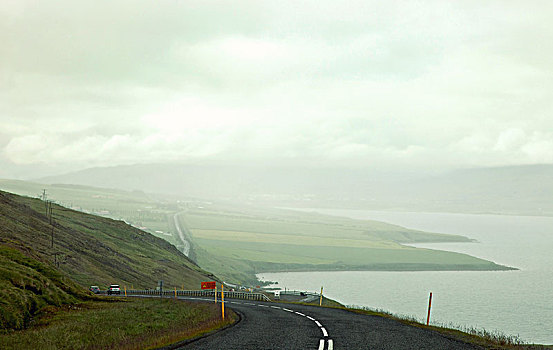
(49, 213)
(50, 220)
(44, 200)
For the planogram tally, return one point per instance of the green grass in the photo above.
(129, 324)
(345, 257)
(299, 224)
(28, 285)
(304, 240)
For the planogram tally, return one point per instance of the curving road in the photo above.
(291, 326)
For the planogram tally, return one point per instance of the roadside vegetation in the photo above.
(477, 336)
(122, 324)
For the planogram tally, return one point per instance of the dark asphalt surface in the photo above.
(266, 327)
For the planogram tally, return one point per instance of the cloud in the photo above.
(438, 84)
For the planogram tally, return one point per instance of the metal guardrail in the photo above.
(308, 296)
(200, 293)
(298, 292)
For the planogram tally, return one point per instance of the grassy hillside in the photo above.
(145, 211)
(95, 250)
(27, 285)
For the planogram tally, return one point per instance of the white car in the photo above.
(114, 289)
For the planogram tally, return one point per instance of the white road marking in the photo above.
(321, 344)
(325, 333)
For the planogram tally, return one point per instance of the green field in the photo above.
(263, 240)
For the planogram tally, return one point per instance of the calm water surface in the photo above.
(512, 302)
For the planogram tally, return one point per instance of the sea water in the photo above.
(516, 303)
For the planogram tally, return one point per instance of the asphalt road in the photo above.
(291, 326)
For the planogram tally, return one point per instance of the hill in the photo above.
(522, 190)
(93, 250)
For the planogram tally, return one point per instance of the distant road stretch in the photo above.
(267, 325)
(185, 244)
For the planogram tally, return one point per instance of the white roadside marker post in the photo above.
(429, 306)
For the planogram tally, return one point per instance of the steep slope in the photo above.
(28, 284)
(94, 250)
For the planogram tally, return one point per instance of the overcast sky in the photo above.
(387, 84)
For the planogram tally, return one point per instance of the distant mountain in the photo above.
(508, 190)
(523, 190)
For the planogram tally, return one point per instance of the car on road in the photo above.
(114, 289)
(94, 289)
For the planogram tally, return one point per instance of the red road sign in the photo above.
(208, 285)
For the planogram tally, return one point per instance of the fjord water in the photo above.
(513, 302)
